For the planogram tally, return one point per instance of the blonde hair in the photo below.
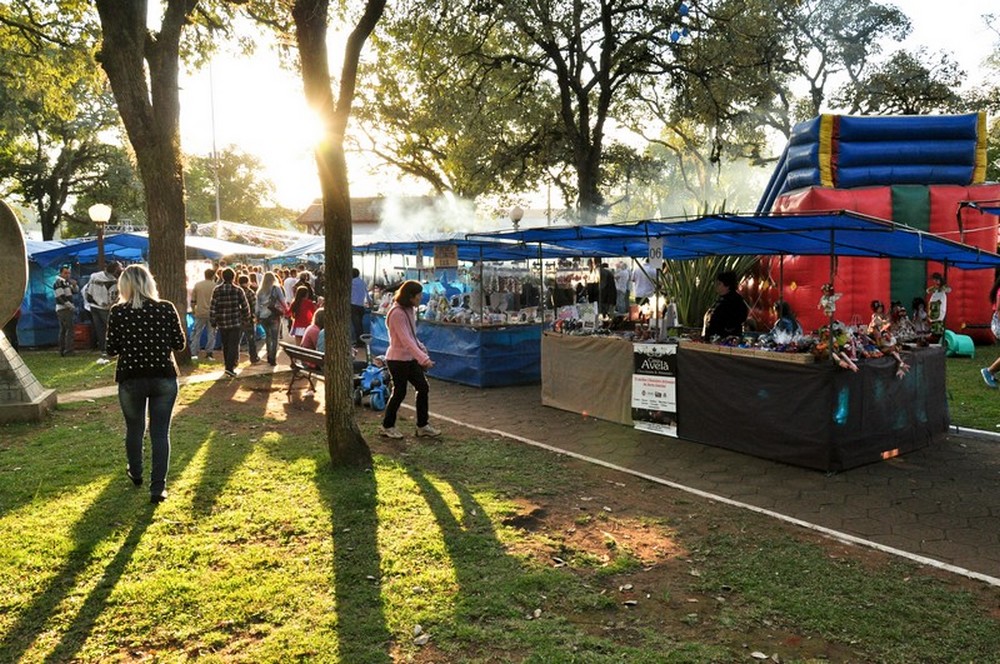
(267, 282)
(136, 285)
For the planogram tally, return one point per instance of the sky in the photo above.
(260, 108)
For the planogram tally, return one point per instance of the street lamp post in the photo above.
(100, 214)
(516, 215)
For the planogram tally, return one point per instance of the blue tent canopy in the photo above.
(133, 247)
(468, 248)
(808, 234)
(303, 250)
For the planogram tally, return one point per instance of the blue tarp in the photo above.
(801, 234)
(480, 248)
(481, 357)
(134, 247)
(39, 326)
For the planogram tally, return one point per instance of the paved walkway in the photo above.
(941, 503)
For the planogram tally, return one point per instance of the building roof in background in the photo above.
(364, 211)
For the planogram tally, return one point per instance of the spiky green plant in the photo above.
(691, 283)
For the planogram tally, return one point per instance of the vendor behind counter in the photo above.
(730, 311)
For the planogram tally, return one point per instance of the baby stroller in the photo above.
(373, 380)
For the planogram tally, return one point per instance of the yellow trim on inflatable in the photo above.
(825, 156)
(979, 173)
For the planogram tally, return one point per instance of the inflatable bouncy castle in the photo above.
(921, 171)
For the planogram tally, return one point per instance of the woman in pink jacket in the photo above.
(407, 358)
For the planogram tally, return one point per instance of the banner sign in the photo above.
(445, 255)
(654, 388)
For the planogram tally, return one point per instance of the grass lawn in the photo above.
(467, 549)
(81, 371)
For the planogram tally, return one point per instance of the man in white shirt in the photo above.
(101, 292)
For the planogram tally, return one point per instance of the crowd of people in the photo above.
(144, 332)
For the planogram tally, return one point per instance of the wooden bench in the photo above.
(305, 362)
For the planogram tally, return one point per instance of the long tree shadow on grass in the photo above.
(99, 523)
(471, 541)
(104, 516)
(362, 634)
(61, 453)
(233, 425)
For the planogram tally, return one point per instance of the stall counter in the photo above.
(476, 356)
(591, 375)
(814, 414)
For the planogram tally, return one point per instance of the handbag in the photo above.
(995, 325)
(275, 306)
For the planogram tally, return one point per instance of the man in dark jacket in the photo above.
(607, 291)
(727, 315)
(230, 312)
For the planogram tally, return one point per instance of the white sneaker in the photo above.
(392, 432)
(427, 431)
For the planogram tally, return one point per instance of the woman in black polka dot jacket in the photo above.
(143, 331)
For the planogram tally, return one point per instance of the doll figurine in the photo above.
(937, 304)
(921, 324)
(828, 302)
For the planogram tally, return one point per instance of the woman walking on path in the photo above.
(270, 305)
(143, 330)
(407, 359)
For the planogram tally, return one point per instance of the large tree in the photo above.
(432, 111)
(908, 83)
(346, 444)
(142, 65)
(507, 57)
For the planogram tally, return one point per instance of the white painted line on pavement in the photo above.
(835, 534)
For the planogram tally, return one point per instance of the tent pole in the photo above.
(541, 284)
(833, 258)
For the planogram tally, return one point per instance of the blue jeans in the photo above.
(200, 325)
(100, 319)
(249, 332)
(272, 332)
(134, 394)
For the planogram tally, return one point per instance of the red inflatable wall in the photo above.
(862, 280)
(969, 306)
(859, 280)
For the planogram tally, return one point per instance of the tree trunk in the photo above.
(151, 114)
(346, 444)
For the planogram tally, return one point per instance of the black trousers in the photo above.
(357, 322)
(231, 347)
(403, 372)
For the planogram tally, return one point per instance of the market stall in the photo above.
(801, 411)
(486, 333)
(591, 375)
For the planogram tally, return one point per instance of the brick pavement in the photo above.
(941, 502)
